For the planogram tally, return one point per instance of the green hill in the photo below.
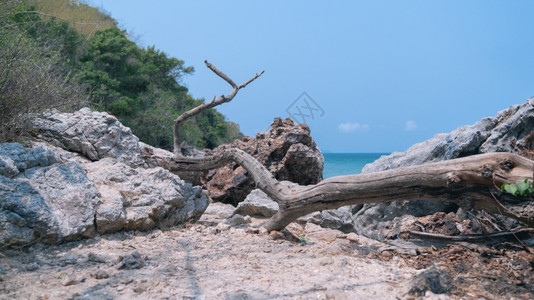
(90, 58)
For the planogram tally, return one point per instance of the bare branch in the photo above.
(221, 74)
(178, 122)
(251, 79)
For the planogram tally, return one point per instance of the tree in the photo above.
(142, 88)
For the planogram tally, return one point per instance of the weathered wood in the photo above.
(178, 122)
(472, 182)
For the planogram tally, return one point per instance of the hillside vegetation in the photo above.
(63, 54)
(84, 18)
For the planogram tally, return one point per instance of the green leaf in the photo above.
(511, 188)
(522, 188)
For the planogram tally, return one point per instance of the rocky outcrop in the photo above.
(511, 130)
(88, 178)
(141, 199)
(93, 134)
(287, 150)
(507, 132)
(43, 198)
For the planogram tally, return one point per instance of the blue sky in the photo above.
(378, 76)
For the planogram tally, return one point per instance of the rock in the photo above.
(375, 220)
(69, 280)
(68, 259)
(95, 135)
(512, 130)
(223, 226)
(436, 281)
(257, 203)
(97, 258)
(340, 219)
(14, 158)
(287, 151)
(353, 237)
(217, 212)
(236, 220)
(316, 232)
(502, 133)
(141, 199)
(44, 199)
(103, 184)
(100, 274)
(131, 261)
(32, 267)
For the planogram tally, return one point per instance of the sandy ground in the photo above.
(202, 261)
(213, 260)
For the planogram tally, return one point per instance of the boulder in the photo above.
(88, 177)
(512, 130)
(287, 150)
(43, 198)
(141, 199)
(93, 134)
(257, 203)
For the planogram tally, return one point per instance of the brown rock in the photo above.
(287, 150)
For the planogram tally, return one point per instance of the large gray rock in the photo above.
(42, 198)
(88, 177)
(93, 134)
(510, 131)
(503, 133)
(142, 199)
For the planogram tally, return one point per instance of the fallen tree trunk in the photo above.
(472, 182)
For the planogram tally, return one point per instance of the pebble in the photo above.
(326, 261)
(100, 274)
(32, 267)
(69, 280)
(131, 261)
(96, 258)
(222, 226)
(353, 237)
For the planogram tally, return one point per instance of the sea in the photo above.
(336, 164)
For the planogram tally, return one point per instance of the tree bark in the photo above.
(472, 182)
(178, 122)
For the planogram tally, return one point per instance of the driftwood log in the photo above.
(472, 182)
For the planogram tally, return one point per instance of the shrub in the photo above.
(32, 73)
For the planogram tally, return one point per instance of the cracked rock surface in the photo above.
(88, 177)
(93, 134)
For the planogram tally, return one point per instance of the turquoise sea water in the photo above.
(336, 164)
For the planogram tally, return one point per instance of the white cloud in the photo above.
(350, 127)
(410, 126)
